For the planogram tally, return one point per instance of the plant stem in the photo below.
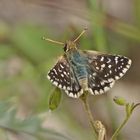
(114, 137)
(98, 128)
(88, 112)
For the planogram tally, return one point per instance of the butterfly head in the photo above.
(69, 45)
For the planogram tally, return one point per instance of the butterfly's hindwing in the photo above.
(97, 85)
(62, 76)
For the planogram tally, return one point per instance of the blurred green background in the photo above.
(25, 59)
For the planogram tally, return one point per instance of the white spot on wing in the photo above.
(102, 83)
(124, 70)
(110, 71)
(93, 84)
(129, 62)
(101, 91)
(55, 71)
(102, 58)
(68, 88)
(103, 65)
(70, 94)
(111, 84)
(110, 79)
(90, 90)
(117, 77)
(116, 58)
(106, 89)
(61, 66)
(97, 68)
(48, 77)
(55, 83)
(96, 92)
(64, 87)
(121, 74)
(60, 86)
(75, 95)
(109, 66)
(90, 76)
(94, 74)
(128, 66)
(109, 60)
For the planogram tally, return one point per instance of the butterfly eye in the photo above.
(65, 48)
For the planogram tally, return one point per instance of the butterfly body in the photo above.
(78, 65)
(78, 71)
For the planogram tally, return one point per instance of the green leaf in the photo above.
(55, 99)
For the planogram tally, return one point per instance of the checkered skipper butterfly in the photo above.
(78, 71)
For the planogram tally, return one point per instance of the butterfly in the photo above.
(78, 71)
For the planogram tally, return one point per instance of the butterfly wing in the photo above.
(62, 76)
(104, 70)
(97, 85)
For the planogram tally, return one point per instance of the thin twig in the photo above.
(88, 112)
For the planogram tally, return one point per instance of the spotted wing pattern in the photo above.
(97, 85)
(62, 76)
(104, 70)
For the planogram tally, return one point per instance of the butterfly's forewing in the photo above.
(104, 70)
(62, 76)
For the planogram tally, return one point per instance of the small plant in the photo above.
(129, 108)
(79, 73)
(99, 130)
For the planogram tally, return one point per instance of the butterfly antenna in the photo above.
(80, 35)
(53, 41)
